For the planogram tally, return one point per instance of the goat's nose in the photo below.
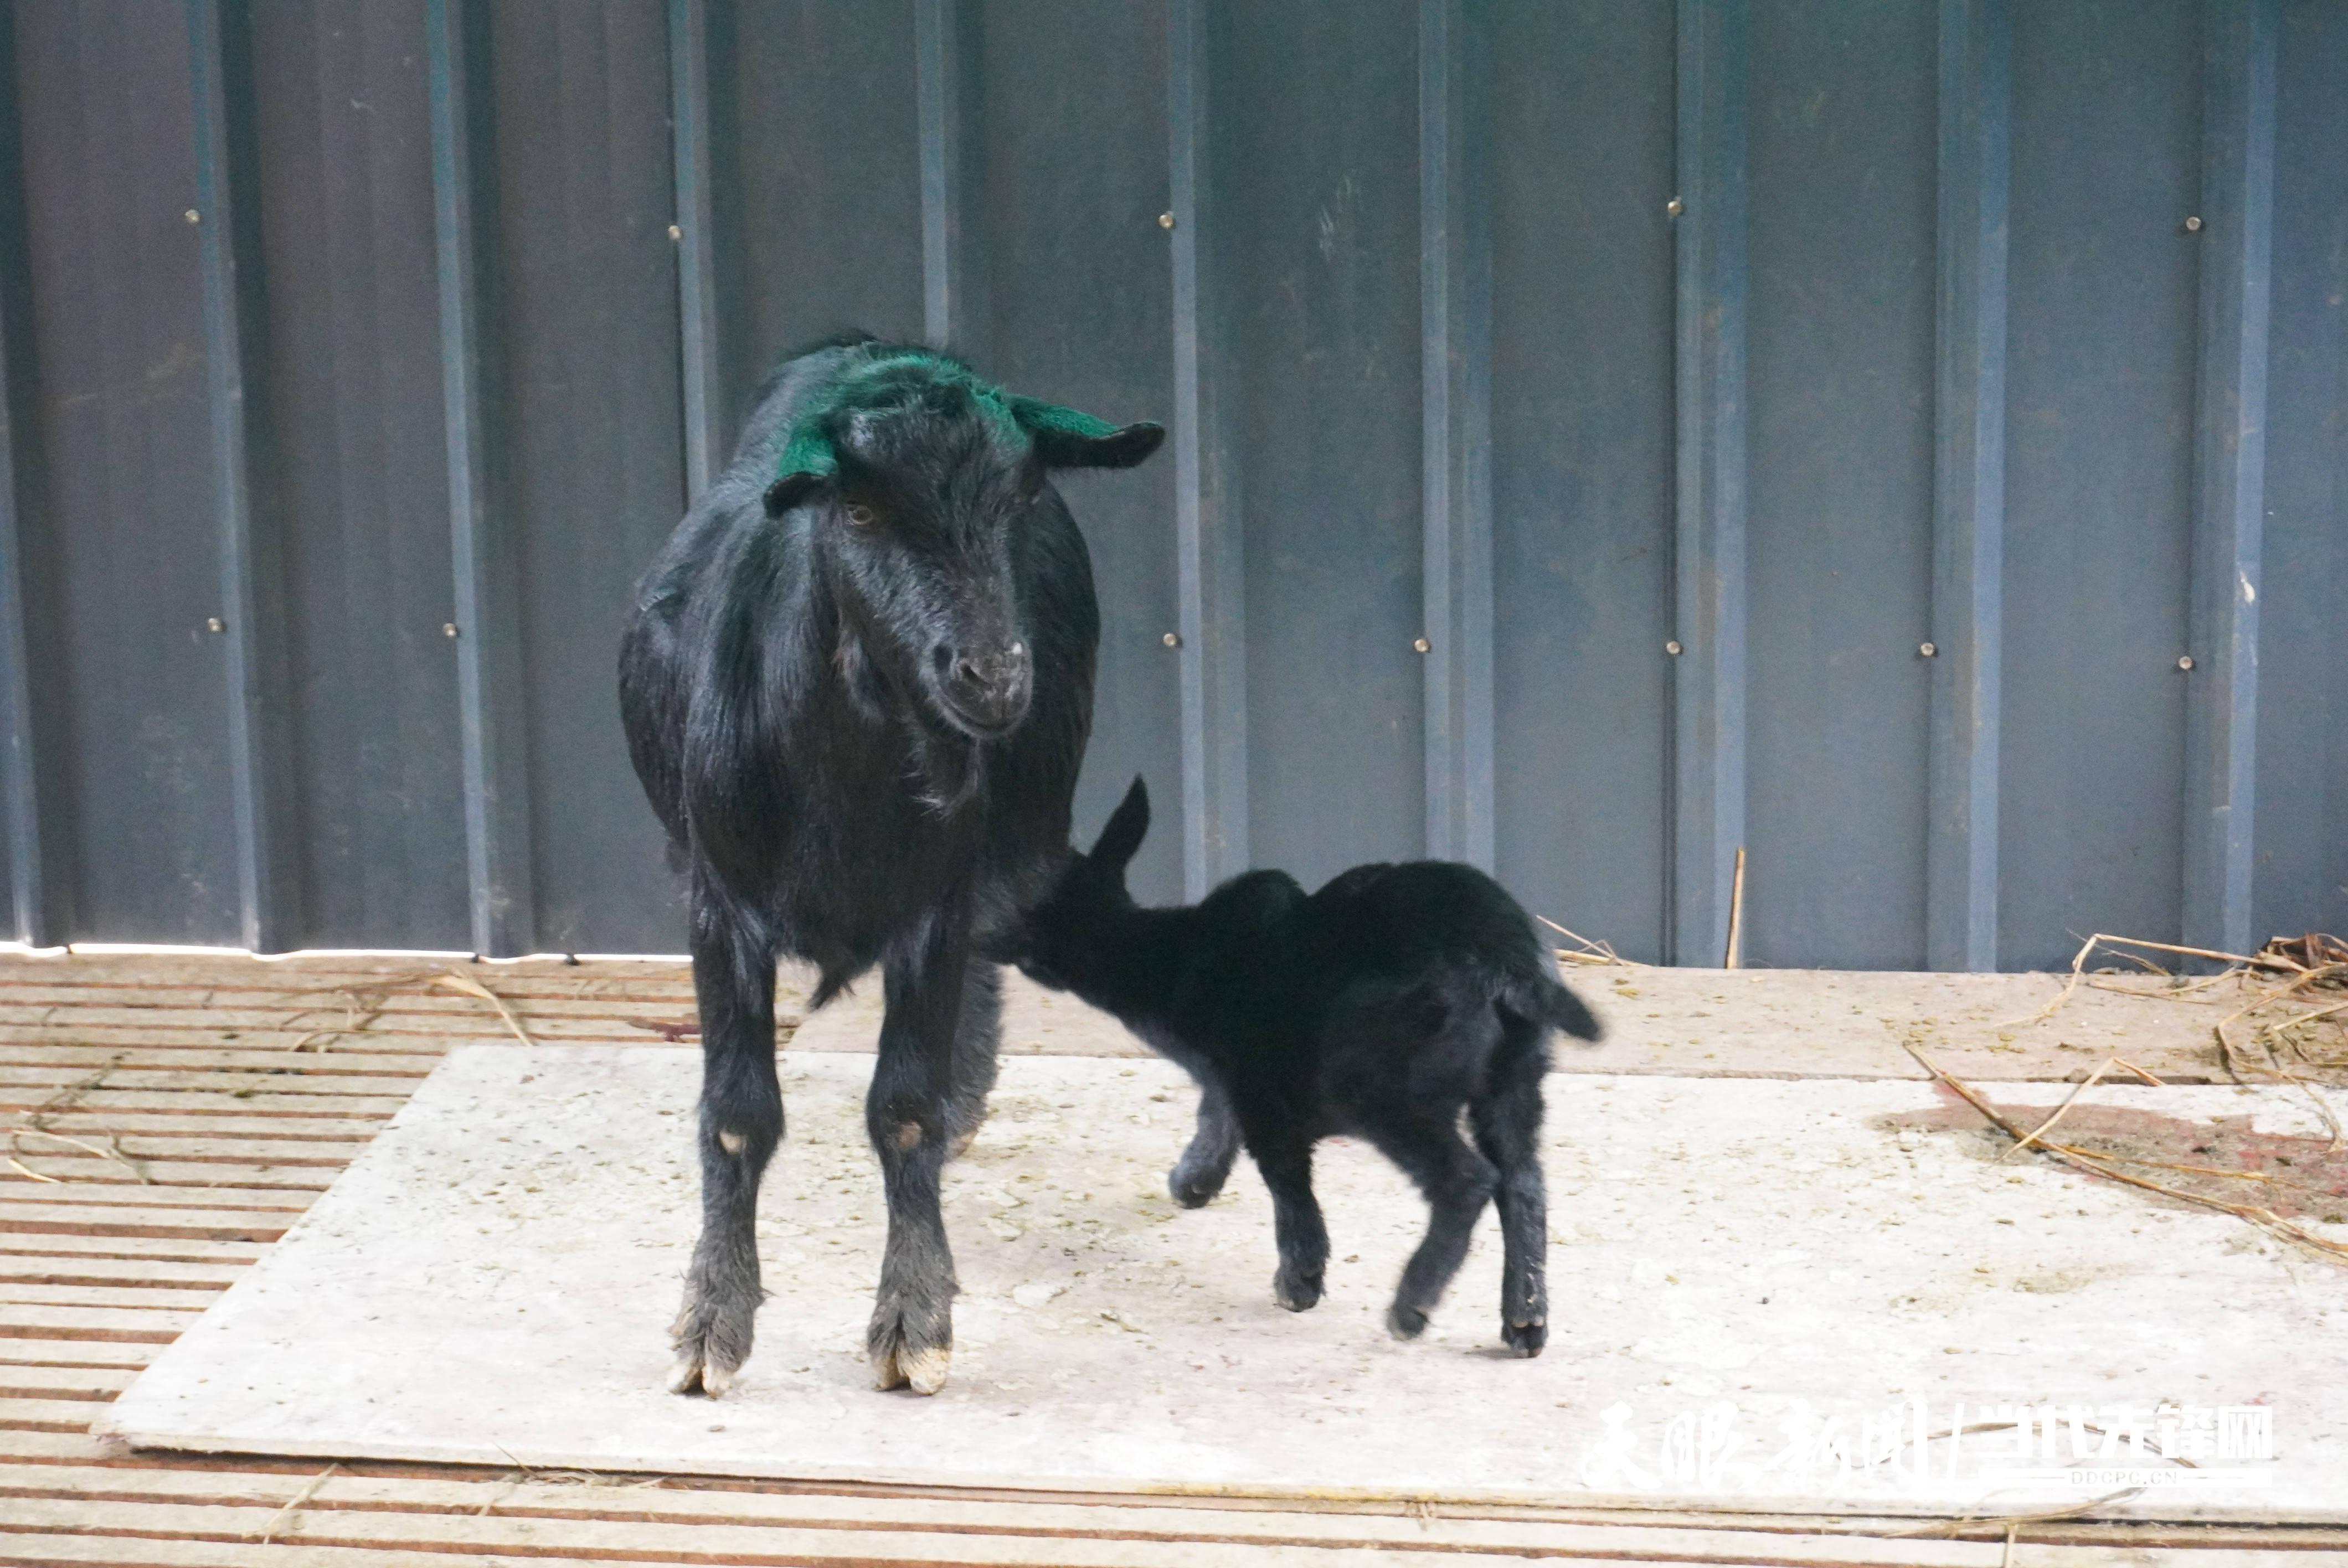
(996, 667)
(991, 685)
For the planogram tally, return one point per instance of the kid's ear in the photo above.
(1127, 826)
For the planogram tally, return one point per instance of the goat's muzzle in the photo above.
(986, 692)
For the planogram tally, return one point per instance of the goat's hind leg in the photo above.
(1508, 1122)
(976, 1055)
(741, 1123)
(1457, 1183)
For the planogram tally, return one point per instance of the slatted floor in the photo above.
(167, 1117)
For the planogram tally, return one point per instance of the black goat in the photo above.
(857, 685)
(1382, 1005)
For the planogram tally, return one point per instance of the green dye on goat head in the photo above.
(895, 378)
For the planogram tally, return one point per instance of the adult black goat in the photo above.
(857, 685)
(1384, 1005)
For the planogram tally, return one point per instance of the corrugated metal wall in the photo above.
(1585, 412)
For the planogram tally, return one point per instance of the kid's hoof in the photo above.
(1406, 1322)
(1524, 1339)
(1298, 1293)
(1193, 1190)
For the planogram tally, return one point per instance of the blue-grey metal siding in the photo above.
(1586, 414)
(2300, 855)
(1582, 462)
(352, 314)
(1839, 348)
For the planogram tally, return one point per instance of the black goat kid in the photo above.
(857, 685)
(1382, 1005)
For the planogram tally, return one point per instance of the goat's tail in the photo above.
(1544, 997)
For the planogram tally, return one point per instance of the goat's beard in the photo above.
(946, 765)
(946, 768)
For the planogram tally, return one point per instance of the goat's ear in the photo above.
(1127, 826)
(808, 459)
(1066, 438)
(790, 490)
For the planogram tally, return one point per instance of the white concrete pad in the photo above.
(492, 1280)
(1753, 1023)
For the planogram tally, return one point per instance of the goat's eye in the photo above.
(860, 515)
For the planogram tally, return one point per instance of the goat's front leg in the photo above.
(1199, 1174)
(910, 1114)
(741, 1124)
(1286, 1165)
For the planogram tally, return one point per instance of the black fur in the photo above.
(859, 718)
(1383, 1005)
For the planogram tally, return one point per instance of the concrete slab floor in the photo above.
(1764, 1023)
(493, 1280)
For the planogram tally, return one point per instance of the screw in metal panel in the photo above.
(2185, 661)
(215, 624)
(1420, 644)
(194, 216)
(1674, 207)
(1166, 220)
(2193, 225)
(1172, 639)
(1674, 647)
(1928, 648)
(447, 629)
(676, 230)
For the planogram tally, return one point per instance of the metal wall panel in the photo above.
(1974, 124)
(1582, 462)
(2106, 165)
(353, 398)
(817, 165)
(1556, 335)
(149, 841)
(1839, 480)
(2301, 834)
(1323, 209)
(586, 299)
(1070, 186)
(30, 789)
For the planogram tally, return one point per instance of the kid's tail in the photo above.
(1544, 997)
(1566, 1011)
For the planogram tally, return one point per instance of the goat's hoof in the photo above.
(712, 1342)
(899, 1361)
(693, 1371)
(1406, 1322)
(1297, 1292)
(1524, 1339)
(1193, 1192)
(704, 1365)
(923, 1371)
